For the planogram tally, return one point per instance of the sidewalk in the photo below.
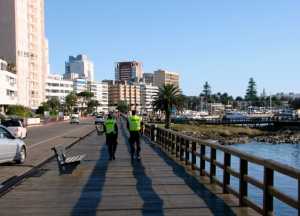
(154, 186)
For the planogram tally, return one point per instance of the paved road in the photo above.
(41, 139)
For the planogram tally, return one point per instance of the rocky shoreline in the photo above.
(280, 137)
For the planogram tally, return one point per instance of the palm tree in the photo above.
(168, 97)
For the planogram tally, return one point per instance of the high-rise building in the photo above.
(164, 77)
(23, 43)
(79, 67)
(122, 91)
(128, 71)
(148, 78)
(148, 94)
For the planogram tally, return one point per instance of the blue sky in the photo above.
(224, 42)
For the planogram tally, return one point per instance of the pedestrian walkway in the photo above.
(154, 186)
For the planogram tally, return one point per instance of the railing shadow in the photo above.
(91, 194)
(153, 204)
(214, 203)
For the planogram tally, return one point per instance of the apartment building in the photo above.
(164, 77)
(100, 91)
(148, 78)
(56, 86)
(128, 71)
(79, 67)
(148, 94)
(23, 44)
(122, 91)
(80, 85)
(8, 86)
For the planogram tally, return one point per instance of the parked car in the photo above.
(12, 149)
(74, 120)
(99, 120)
(16, 127)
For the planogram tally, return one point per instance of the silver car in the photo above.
(11, 148)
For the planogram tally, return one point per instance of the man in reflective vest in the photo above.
(134, 126)
(111, 132)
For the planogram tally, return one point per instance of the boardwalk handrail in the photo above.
(185, 148)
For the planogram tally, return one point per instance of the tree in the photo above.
(41, 109)
(206, 91)
(92, 106)
(18, 110)
(54, 105)
(71, 101)
(295, 103)
(251, 93)
(85, 97)
(168, 97)
(123, 106)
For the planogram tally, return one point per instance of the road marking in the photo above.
(52, 138)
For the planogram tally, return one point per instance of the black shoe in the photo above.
(110, 158)
(114, 158)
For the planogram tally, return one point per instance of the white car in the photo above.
(99, 120)
(11, 148)
(74, 120)
(16, 127)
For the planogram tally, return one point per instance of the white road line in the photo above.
(52, 138)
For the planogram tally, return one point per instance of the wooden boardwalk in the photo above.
(155, 186)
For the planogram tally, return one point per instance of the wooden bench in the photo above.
(65, 162)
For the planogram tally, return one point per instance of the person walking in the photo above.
(111, 131)
(134, 125)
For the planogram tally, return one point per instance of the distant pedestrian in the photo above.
(111, 132)
(134, 125)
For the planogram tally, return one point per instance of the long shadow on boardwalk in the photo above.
(91, 194)
(214, 203)
(153, 204)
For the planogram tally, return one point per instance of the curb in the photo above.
(12, 182)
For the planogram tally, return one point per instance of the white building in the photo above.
(80, 85)
(81, 66)
(23, 44)
(8, 86)
(100, 91)
(56, 86)
(148, 94)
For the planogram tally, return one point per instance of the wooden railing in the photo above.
(189, 149)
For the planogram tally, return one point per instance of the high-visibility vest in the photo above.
(110, 126)
(134, 123)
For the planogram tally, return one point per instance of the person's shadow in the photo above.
(91, 194)
(153, 204)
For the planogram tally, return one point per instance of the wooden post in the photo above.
(173, 144)
(213, 156)
(181, 151)
(170, 142)
(194, 149)
(177, 147)
(226, 175)
(187, 152)
(268, 198)
(243, 183)
(153, 133)
(202, 160)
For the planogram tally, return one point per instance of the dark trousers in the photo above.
(111, 141)
(135, 139)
